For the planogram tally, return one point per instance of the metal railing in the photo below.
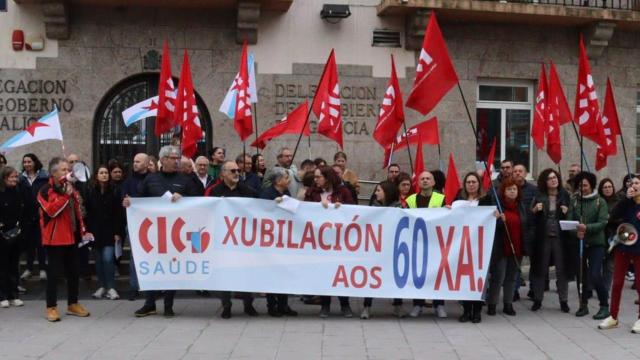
(602, 4)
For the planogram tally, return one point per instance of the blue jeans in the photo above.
(592, 261)
(105, 267)
(133, 276)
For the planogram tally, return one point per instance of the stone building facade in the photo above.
(104, 57)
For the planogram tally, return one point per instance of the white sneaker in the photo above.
(21, 289)
(16, 302)
(365, 313)
(397, 311)
(99, 293)
(608, 323)
(416, 311)
(43, 275)
(441, 312)
(4, 304)
(636, 327)
(25, 275)
(112, 294)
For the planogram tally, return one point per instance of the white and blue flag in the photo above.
(228, 106)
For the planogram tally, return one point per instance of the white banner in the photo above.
(258, 246)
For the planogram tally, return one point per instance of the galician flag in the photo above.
(228, 106)
(46, 128)
(142, 110)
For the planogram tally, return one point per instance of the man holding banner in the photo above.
(231, 187)
(171, 183)
(426, 198)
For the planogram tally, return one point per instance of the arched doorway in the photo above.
(113, 140)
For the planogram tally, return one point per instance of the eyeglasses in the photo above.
(233, 171)
(552, 178)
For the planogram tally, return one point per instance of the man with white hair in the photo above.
(202, 165)
(170, 179)
(285, 160)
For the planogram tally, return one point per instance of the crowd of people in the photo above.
(45, 214)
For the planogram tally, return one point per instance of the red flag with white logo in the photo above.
(541, 111)
(242, 121)
(293, 123)
(418, 168)
(326, 102)
(165, 118)
(610, 127)
(587, 109)
(426, 132)
(391, 113)
(452, 184)
(187, 111)
(559, 114)
(435, 74)
(486, 177)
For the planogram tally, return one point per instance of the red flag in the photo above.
(452, 185)
(293, 123)
(165, 119)
(425, 132)
(418, 168)
(242, 120)
(486, 178)
(326, 102)
(435, 74)
(541, 111)
(587, 109)
(557, 100)
(610, 127)
(391, 112)
(187, 110)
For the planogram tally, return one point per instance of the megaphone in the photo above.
(79, 172)
(626, 234)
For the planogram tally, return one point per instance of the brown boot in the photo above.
(77, 310)
(52, 314)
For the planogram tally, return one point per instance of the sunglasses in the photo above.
(234, 171)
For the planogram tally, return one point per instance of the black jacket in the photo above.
(31, 214)
(158, 183)
(271, 193)
(12, 206)
(105, 215)
(241, 190)
(539, 222)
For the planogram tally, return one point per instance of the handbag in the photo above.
(12, 234)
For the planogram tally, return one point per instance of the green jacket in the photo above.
(592, 210)
(214, 171)
(436, 200)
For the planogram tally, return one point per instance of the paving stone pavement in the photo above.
(197, 332)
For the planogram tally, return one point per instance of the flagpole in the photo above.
(406, 138)
(624, 151)
(582, 155)
(306, 121)
(488, 171)
(391, 155)
(439, 157)
(255, 124)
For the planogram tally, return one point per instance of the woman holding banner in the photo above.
(327, 190)
(550, 205)
(511, 231)
(472, 193)
(386, 194)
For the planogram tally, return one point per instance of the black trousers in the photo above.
(32, 244)
(9, 261)
(150, 298)
(326, 300)
(277, 301)
(369, 301)
(62, 257)
(422, 302)
(225, 297)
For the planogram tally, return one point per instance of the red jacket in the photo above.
(340, 194)
(56, 221)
